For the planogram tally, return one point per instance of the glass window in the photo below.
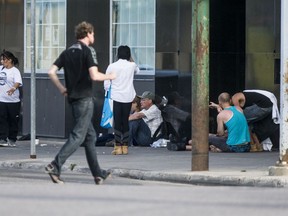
(50, 33)
(133, 24)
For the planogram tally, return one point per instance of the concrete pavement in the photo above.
(159, 164)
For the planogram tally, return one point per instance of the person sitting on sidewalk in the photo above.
(177, 120)
(262, 114)
(144, 124)
(237, 137)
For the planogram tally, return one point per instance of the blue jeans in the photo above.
(139, 133)
(83, 134)
(255, 113)
(220, 142)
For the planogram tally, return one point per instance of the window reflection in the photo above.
(50, 32)
(133, 24)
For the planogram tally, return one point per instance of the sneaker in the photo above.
(172, 146)
(173, 138)
(55, 178)
(110, 143)
(176, 146)
(3, 143)
(100, 179)
(11, 143)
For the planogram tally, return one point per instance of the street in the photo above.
(31, 192)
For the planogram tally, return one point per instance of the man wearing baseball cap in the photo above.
(144, 124)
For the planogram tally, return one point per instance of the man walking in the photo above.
(80, 69)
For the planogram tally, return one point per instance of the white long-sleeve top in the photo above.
(122, 89)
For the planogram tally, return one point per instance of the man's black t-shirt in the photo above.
(258, 99)
(76, 61)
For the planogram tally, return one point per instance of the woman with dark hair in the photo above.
(122, 93)
(10, 81)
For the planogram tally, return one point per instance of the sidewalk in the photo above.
(159, 164)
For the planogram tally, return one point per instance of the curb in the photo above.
(208, 179)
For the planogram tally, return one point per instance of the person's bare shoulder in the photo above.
(224, 115)
(239, 109)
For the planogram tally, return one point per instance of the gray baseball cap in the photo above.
(148, 95)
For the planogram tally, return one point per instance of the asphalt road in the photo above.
(30, 192)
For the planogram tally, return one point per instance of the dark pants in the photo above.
(9, 120)
(255, 113)
(220, 143)
(83, 134)
(140, 134)
(121, 113)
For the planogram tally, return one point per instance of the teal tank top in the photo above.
(237, 127)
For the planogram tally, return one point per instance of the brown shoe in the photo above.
(55, 178)
(124, 150)
(117, 150)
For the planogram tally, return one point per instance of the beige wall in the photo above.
(262, 44)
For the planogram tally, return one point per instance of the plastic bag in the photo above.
(107, 111)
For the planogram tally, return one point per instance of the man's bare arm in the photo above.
(215, 106)
(136, 115)
(54, 78)
(220, 125)
(98, 76)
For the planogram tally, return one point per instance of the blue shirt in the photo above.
(238, 131)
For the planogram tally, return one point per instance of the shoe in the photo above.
(125, 150)
(117, 150)
(100, 179)
(55, 178)
(11, 143)
(176, 146)
(173, 138)
(110, 143)
(3, 143)
(172, 146)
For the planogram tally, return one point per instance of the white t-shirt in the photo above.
(153, 118)
(8, 77)
(122, 89)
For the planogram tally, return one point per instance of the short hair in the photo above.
(124, 52)
(224, 97)
(82, 29)
(9, 55)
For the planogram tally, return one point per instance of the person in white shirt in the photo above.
(122, 94)
(144, 124)
(10, 104)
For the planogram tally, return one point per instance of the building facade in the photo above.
(244, 48)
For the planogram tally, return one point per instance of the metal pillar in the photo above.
(33, 82)
(281, 167)
(200, 85)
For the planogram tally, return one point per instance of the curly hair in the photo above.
(82, 29)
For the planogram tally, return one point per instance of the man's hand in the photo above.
(11, 91)
(213, 105)
(112, 75)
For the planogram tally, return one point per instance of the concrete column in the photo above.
(281, 167)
